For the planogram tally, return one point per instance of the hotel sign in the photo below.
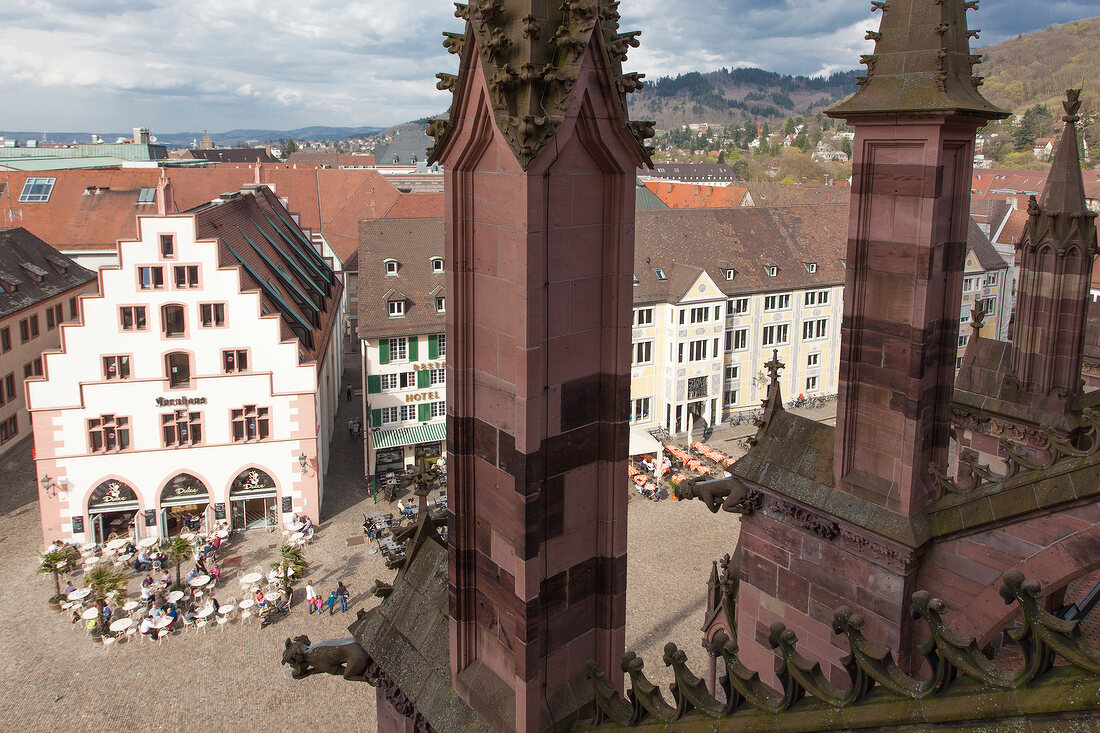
(422, 396)
(429, 365)
(179, 401)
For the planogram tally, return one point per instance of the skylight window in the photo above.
(730, 273)
(811, 267)
(37, 190)
(772, 270)
(391, 267)
(660, 273)
(437, 264)
(147, 196)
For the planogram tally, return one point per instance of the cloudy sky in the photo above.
(109, 65)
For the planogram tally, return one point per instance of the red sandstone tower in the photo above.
(841, 520)
(540, 160)
(1056, 256)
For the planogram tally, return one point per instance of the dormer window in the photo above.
(660, 273)
(35, 272)
(772, 270)
(58, 264)
(9, 282)
(397, 308)
(391, 266)
(811, 267)
(636, 282)
(437, 265)
(440, 304)
(730, 273)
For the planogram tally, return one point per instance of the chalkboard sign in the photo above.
(288, 504)
(219, 511)
(150, 517)
(78, 525)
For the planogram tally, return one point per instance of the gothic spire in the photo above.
(531, 53)
(1065, 189)
(921, 64)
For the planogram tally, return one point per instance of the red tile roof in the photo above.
(695, 196)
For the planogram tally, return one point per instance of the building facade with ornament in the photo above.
(200, 386)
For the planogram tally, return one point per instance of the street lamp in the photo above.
(49, 486)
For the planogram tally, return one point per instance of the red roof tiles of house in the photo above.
(256, 234)
(330, 160)
(697, 196)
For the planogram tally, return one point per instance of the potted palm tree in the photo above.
(178, 551)
(54, 562)
(291, 558)
(104, 581)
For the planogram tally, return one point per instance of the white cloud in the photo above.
(208, 64)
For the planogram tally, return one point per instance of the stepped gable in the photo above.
(921, 63)
(531, 53)
(275, 257)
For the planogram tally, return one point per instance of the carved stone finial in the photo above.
(977, 316)
(1072, 105)
(774, 366)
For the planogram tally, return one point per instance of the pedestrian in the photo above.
(342, 594)
(331, 602)
(348, 391)
(310, 595)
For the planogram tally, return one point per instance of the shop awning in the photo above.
(426, 433)
(642, 442)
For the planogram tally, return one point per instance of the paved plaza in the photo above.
(229, 677)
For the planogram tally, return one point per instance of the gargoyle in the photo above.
(728, 494)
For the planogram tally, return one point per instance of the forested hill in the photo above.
(1039, 67)
(736, 95)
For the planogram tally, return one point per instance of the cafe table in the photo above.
(117, 544)
(246, 604)
(79, 595)
(90, 613)
(120, 625)
(163, 622)
(130, 606)
(174, 596)
(148, 542)
(205, 612)
(251, 579)
(199, 581)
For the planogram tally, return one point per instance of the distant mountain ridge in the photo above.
(185, 139)
(737, 95)
(1038, 67)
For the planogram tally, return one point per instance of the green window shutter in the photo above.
(413, 342)
(384, 351)
(375, 418)
(374, 383)
(422, 378)
(433, 346)
(424, 412)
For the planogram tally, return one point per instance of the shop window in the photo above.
(132, 317)
(116, 367)
(108, 434)
(174, 324)
(177, 367)
(235, 360)
(181, 428)
(250, 423)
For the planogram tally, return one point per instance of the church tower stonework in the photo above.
(540, 163)
(842, 521)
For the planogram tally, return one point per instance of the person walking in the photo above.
(331, 602)
(342, 594)
(310, 595)
(348, 391)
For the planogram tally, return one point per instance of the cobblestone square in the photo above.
(229, 677)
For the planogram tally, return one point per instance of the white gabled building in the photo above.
(204, 379)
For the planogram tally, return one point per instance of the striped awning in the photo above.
(426, 433)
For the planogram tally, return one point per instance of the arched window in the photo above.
(177, 368)
(173, 321)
